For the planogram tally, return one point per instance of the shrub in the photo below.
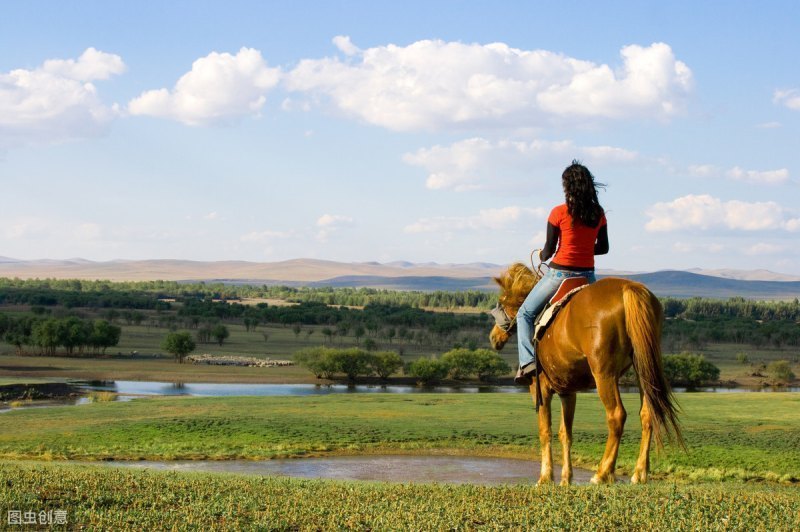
(742, 358)
(384, 363)
(490, 365)
(427, 370)
(351, 362)
(318, 360)
(482, 363)
(461, 362)
(689, 369)
(780, 370)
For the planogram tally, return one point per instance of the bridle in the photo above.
(502, 320)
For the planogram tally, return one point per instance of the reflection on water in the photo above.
(215, 389)
(388, 468)
(47, 403)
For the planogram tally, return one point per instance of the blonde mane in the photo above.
(516, 283)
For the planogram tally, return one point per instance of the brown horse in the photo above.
(603, 330)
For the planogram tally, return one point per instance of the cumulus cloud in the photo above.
(759, 177)
(788, 98)
(57, 101)
(474, 163)
(433, 84)
(219, 88)
(330, 223)
(486, 219)
(707, 212)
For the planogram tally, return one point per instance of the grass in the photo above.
(729, 436)
(123, 499)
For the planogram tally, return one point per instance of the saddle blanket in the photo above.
(549, 313)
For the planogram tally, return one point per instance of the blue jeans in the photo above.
(533, 305)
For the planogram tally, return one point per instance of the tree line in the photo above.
(74, 334)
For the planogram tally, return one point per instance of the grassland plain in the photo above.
(729, 436)
(117, 499)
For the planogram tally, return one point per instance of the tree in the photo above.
(318, 360)
(689, 369)
(352, 362)
(104, 335)
(297, 329)
(359, 333)
(178, 344)
(220, 333)
(427, 370)
(384, 363)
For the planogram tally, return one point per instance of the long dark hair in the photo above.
(580, 191)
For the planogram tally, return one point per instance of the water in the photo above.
(204, 389)
(226, 390)
(385, 468)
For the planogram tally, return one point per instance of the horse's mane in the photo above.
(516, 283)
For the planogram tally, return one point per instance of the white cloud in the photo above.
(219, 88)
(769, 125)
(211, 216)
(789, 98)
(767, 177)
(330, 223)
(761, 177)
(486, 219)
(433, 84)
(57, 101)
(706, 212)
(474, 163)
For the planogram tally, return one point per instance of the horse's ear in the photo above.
(499, 281)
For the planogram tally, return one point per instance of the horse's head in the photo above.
(515, 283)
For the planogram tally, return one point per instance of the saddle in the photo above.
(568, 288)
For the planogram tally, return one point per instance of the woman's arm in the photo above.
(601, 245)
(549, 248)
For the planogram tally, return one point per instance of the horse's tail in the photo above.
(643, 318)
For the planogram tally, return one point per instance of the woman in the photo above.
(579, 231)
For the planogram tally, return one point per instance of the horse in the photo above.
(605, 328)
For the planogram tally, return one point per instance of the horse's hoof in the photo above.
(566, 481)
(603, 480)
(639, 478)
(543, 481)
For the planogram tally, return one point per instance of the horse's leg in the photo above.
(545, 434)
(643, 463)
(565, 435)
(608, 390)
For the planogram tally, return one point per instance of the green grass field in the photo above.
(117, 499)
(740, 471)
(729, 436)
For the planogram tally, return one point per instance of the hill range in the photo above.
(750, 284)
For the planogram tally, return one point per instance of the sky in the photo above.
(380, 131)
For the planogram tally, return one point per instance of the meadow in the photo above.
(730, 436)
(740, 471)
(116, 499)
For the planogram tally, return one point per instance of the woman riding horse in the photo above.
(592, 341)
(578, 227)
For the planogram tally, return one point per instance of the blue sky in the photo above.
(421, 131)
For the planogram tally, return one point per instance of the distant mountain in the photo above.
(398, 275)
(686, 284)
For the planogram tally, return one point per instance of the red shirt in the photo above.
(576, 242)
